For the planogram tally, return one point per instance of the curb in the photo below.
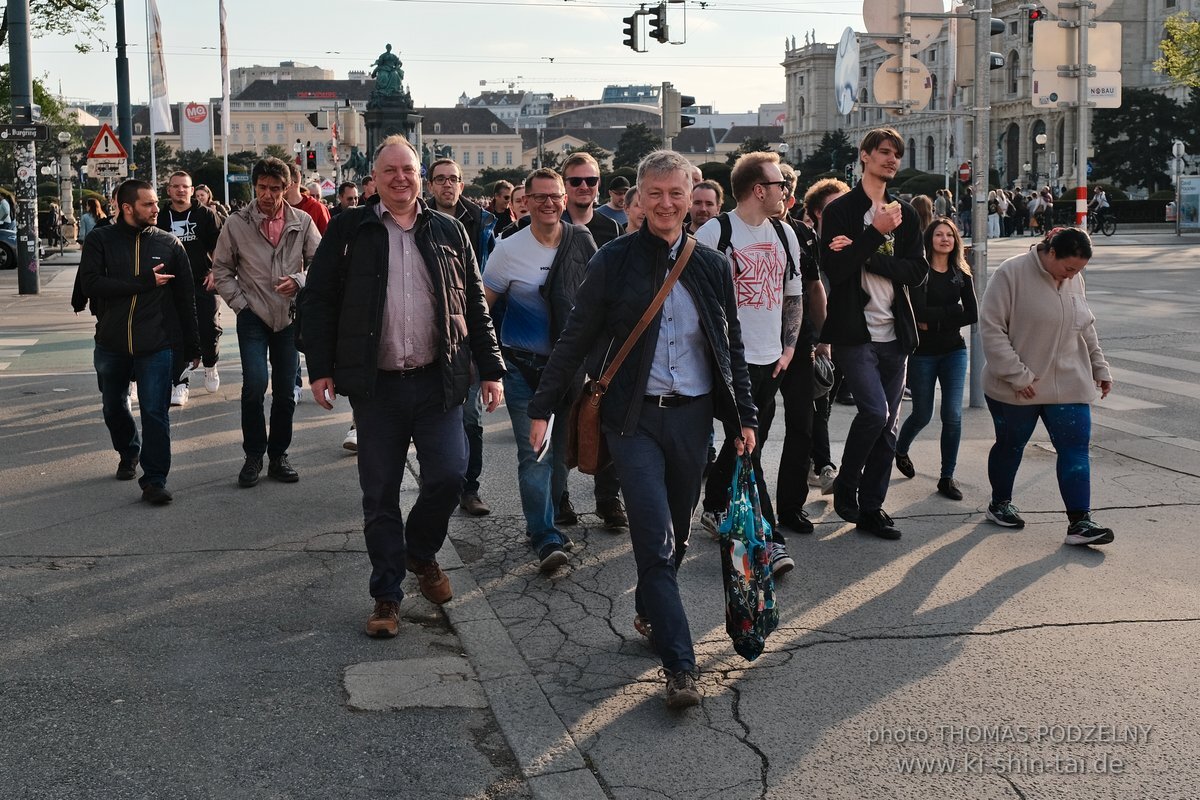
(550, 762)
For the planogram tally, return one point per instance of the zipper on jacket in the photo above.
(137, 257)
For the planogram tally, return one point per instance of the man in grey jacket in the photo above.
(259, 267)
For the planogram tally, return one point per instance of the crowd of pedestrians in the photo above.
(427, 310)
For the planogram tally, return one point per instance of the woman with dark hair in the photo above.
(1043, 362)
(924, 208)
(91, 216)
(943, 305)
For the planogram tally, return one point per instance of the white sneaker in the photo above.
(711, 522)
(212, 379)
(814, 480)
(829, 474)
(780, 561)
(298, 393)
(351, 440)
(179, 394)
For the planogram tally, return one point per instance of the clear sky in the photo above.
(731, 59)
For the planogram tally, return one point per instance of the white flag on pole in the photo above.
(160, 106)
(224, 75)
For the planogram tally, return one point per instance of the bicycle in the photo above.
(1107, 226)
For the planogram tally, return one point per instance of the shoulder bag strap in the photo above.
(689, 244)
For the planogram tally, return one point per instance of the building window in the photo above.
(479, 157)
(496, 128)
(466, 158)
(467, 127)
(933, 97)
(1012, 29)
(508, 159)
(279, 138)
(495, 158)
(279, 127)
(912, 154)
(437, 127)
(297, 127)
(801, 80)
(235, 126)
(929, 154)
(265, 127)
(933, 55)
(1013, 72)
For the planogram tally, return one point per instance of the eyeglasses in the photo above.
(442, 180)
(578, 181)
(539, 199)
(783, 185)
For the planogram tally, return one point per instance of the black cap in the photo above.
(619, 183)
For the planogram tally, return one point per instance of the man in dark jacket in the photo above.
(197, 228)
(538, 272)
(687, 367)
(872, 253)
(140, 287)
(446, 177)
(392, 316)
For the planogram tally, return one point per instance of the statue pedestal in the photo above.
(385, 119)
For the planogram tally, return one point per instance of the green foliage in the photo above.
(489, 175)
(716, 171)
(139, 161)
(637, 141)
(599, 153)
(204, 166)
(1180, 50)
(753, 144)
(279, 151)
(79, 17)
(1133, 142)
(829, 159)
(923, 183)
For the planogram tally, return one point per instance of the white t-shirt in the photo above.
(519, 267)
(881, 323)
(760, 281)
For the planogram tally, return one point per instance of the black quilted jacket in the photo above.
(622, 279)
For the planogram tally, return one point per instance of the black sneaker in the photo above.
(878, 523)
(1086, 532)
(250, 471)
(127, 469)
(905, 465)
(612, 513)
(551, 557)
(1005, 514)
(797, 521)
(948, 487)
(683, 689)
(281, 470)
(159, 496)
(566, 512)
(845, 502)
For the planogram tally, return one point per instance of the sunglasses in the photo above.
(442, 180)
(781, 184)
(577, 181)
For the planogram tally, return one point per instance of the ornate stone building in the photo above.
(937, 141)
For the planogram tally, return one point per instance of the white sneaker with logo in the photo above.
(179, 394)
(212, 379)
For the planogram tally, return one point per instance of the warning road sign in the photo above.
(107, 145)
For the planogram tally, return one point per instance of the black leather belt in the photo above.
(408, 373)
(671, 400)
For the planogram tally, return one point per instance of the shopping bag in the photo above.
(750, 610)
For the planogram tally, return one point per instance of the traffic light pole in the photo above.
(1084, 112)
(981, 164)
(25, 187)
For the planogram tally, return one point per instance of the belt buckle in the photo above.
(662, 400)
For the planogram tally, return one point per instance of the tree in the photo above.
(1180, 50)
(80, 17)
(634, 144)
(280, 152)
(716, 171)
(139, 160)
(489, 175)
(1133, 142)
(54, 114)
(204, 166)
(752, 144)
(599, 153)
(833, 154)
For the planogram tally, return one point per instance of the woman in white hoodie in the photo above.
(1043, 362)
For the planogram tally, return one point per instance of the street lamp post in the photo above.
(1178, 151)
(1027, 168)
(52, 169)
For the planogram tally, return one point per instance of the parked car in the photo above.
(8, 248)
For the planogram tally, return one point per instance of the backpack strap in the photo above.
(791, 263)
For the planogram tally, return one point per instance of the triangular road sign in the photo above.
(107, 145)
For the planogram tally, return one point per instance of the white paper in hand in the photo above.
(545, 445)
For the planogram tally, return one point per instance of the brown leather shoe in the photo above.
(434, 585)
(612, 513)
(473, 505)
(384, 622)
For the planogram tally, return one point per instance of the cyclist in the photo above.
(1099, 207)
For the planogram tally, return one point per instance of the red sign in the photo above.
(107, 145)
(317, 95)
(964, 172)
(196, 112)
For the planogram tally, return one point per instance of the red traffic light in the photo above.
(1036, 13)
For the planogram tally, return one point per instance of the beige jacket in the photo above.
(246, 267)
(1032, 328)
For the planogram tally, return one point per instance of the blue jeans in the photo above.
(403, 410)
(152, 372)
(1070, 429)
(875, 374)
(473, 425)
(660, 466)
(257, 344)
(533, 477)
(950, 371)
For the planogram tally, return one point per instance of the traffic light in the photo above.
(658, 23)
(996, 60)
(633, 39)
(310, 158)
(314, 119)
(965, 57)
(850, 173)
(1035, 15)
(672, 102)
